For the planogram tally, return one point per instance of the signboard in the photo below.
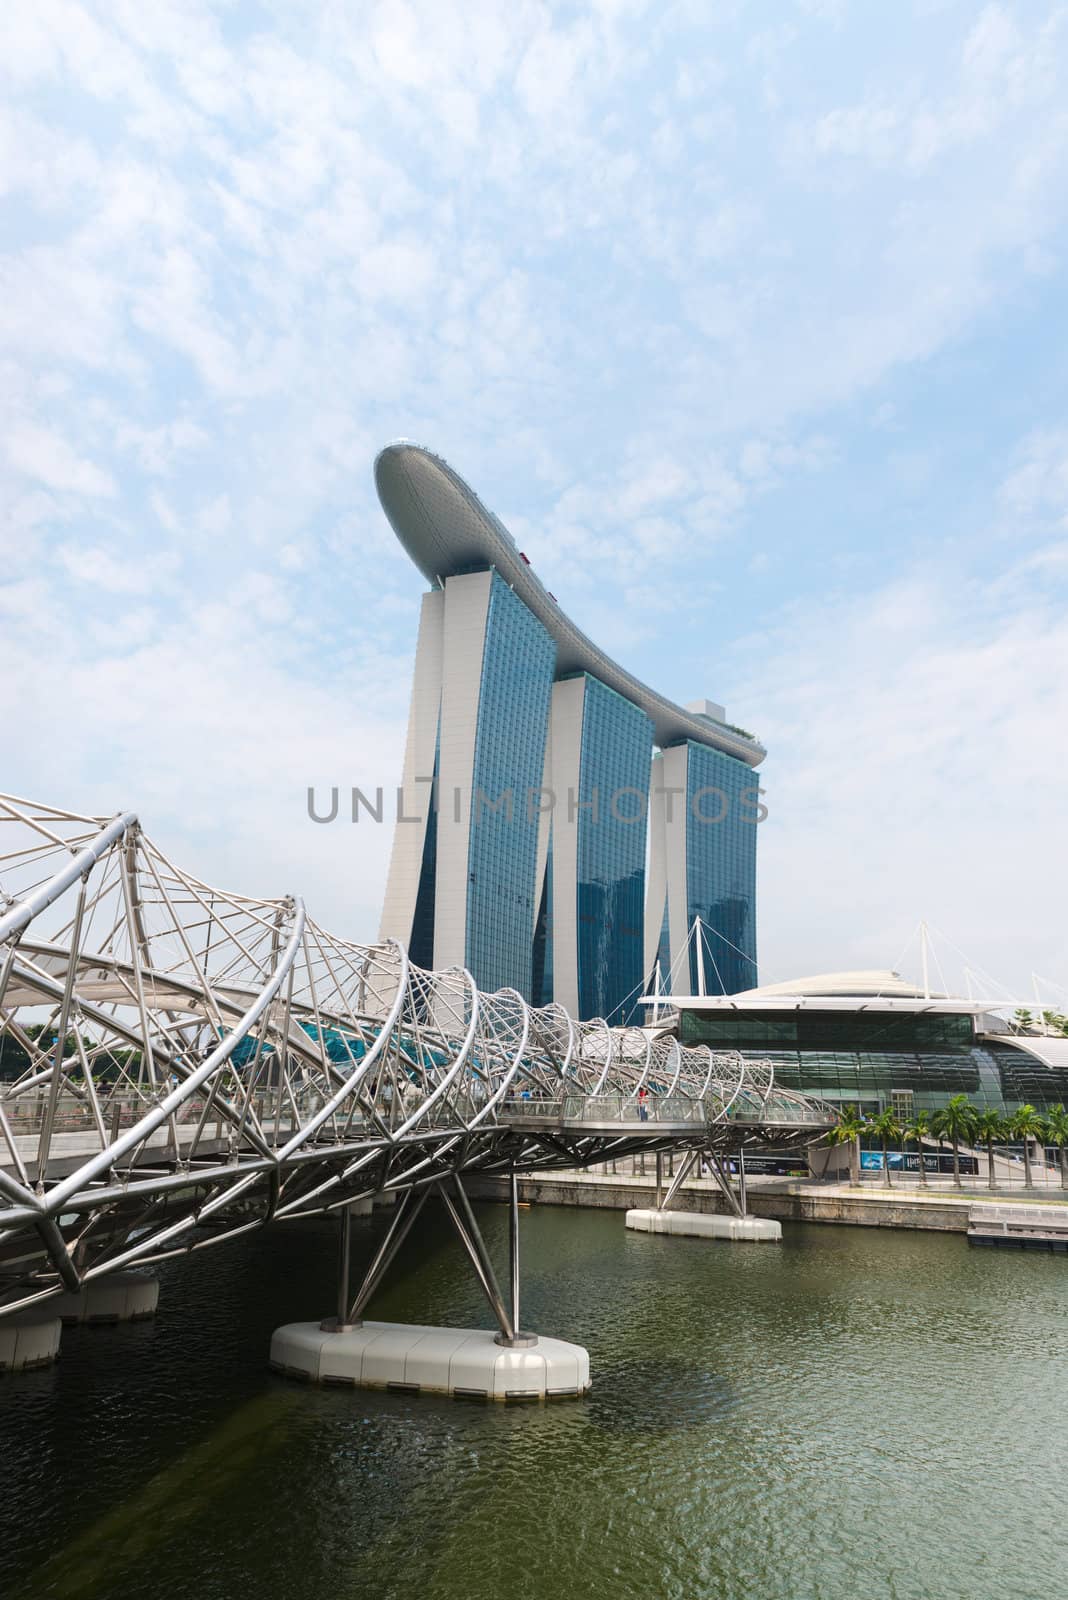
(872, 1161)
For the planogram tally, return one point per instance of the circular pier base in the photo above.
(463, 1362)
(120, 1297)
(28, 1339)
(703, 1225)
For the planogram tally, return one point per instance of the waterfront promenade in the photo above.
(939, 1207)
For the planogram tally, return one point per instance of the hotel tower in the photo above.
(564, 827)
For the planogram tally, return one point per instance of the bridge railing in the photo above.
(607, 1108)
(277, 1113)
(777, 1109)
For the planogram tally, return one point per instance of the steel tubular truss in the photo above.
(180, 1065)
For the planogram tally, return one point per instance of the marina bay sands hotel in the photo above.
(565, 829)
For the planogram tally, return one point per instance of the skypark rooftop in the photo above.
(447, 531)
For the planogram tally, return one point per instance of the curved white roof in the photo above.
(1051, 1050)
(447, 530)
(879, 981)
(876, 989)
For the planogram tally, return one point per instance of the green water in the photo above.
(852, 1413)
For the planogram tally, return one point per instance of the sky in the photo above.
(747, 320)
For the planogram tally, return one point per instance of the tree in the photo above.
(1057, 1133)
(1028, 1125)
(847, 1130)
(990, 1125)
(917, 1131)
(955, 1121)
(885, 1128)
(1023, 1020)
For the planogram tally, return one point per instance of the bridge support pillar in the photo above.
(467, 1363)
(118, 1297)
(412, 1359)
(29, 1339)
(703, 1225)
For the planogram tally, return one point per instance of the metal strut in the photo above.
(723, 1179)
(352, 1316)
(513, 1244)
(463, 1220)
(678, 1180)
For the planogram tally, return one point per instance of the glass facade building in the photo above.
(513, 715)
(721, 869)
(616, 750)
(700, 917)
(908, 1061)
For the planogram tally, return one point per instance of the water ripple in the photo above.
(856, 1413)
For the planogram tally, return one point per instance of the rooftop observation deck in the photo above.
(446, 530)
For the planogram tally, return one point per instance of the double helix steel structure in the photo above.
(180, 1065)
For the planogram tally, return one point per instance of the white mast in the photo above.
(923, 957)
(700, 955)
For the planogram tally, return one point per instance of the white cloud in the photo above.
(915, 772)
(215, 518)
(203, 728)
(1038, 484)
(158, 450)
(128, 573)
(632, 269)
(45, 456)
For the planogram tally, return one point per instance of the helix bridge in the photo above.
(181, 1065)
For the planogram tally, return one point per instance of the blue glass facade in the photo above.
(518, 660)
(721, 835)
(616, 751)
(909, 1061)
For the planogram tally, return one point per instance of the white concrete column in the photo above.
(463, 650)
(29, 1339)
(406, 857)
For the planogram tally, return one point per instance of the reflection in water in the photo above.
(851, 1413)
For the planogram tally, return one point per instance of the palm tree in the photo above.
(955, 1121)
(1057, 1133)
(885, 1127)
(847, 1130)
(1027, 1125)
(917, 1131)
(990, 1125)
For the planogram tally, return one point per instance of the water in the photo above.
(855, 1413)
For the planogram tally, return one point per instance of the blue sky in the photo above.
(748, 320)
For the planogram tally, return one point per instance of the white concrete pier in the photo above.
(120, 1297)
(466, 1363)
(702, 1225)
(29, 1339)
